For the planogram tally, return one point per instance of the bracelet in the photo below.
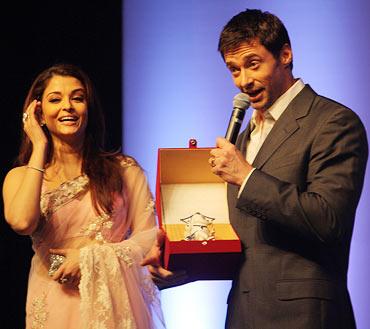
(38, 169)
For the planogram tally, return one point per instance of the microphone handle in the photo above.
(235, 123)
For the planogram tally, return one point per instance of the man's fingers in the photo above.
(155, 254)
(161, 235)
(161, 284)
(221, 142)
(152, 259)
(166, 279)
(165, 274)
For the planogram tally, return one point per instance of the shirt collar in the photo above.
(280, 105)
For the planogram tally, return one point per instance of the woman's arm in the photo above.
(22, 185)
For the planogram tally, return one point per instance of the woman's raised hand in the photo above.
(32, 124)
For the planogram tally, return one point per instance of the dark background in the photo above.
(35, 35)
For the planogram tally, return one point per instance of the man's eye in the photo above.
(234, 70)
(254, 64)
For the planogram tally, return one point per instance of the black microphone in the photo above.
(240, 104)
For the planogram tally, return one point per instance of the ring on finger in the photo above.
(213, 162)
(25, 117)
(63, 280)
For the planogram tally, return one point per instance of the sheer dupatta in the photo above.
(115, 290)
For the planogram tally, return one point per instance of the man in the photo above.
(295, 178)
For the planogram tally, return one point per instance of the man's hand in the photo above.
(160, 276)
(228, 163)
(166, 279)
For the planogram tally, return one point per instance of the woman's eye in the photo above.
(54, 100)
(78, 99)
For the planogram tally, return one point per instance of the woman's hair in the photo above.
(254, 24)
(103, 168)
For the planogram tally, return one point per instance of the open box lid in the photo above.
(186, 185)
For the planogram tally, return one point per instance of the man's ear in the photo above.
(286, 55)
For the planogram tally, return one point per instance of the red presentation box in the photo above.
(185, 186)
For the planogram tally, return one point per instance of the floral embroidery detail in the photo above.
(102, 282)
(150, 206)
(149, 290)
(67, 191)
(127, 324)
(123, 254)
(128, 162)
(97, 226)
(39, 314)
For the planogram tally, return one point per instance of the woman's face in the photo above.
(64, 108)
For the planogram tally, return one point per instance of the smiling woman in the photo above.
(89, 212)
(64, 107)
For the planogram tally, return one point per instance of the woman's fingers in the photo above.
(69, 271)
(62, 252)
(31, 123)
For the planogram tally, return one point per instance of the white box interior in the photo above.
(184, 200)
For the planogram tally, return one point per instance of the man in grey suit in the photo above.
(294, 180)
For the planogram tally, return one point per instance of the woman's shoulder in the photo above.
(126, 164)
(118, 158)
(130, 167)
(14, 176)
(16, 171)
(127, 161)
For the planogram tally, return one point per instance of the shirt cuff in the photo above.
(245, 182)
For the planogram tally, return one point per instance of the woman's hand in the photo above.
(161, 277)
(69, 272)
(32, 124)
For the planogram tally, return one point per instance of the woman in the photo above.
(89, 212)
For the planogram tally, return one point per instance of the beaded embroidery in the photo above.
(54, 199)
(97, 226)
(128, 162)
(39, 314)
(150, 207)
(150, 292)
(123, 253)
(67, 191)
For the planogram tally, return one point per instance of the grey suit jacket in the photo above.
(295, 218)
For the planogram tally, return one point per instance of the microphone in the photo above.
(240, 104)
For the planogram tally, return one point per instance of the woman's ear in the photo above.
(39, 114)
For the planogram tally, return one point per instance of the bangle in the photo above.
(38, 169)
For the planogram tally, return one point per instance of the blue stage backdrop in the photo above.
(175, 86)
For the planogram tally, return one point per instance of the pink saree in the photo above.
(115, 291)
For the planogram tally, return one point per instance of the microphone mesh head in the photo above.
(241, 101)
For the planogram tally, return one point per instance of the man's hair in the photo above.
(254, 24)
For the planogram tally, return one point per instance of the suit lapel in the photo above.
(241, 142)
(285, 126)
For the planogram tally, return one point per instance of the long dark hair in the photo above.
(103, 168)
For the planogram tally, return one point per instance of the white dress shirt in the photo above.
(262, 123)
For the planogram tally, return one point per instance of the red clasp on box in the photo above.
(192, 143)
